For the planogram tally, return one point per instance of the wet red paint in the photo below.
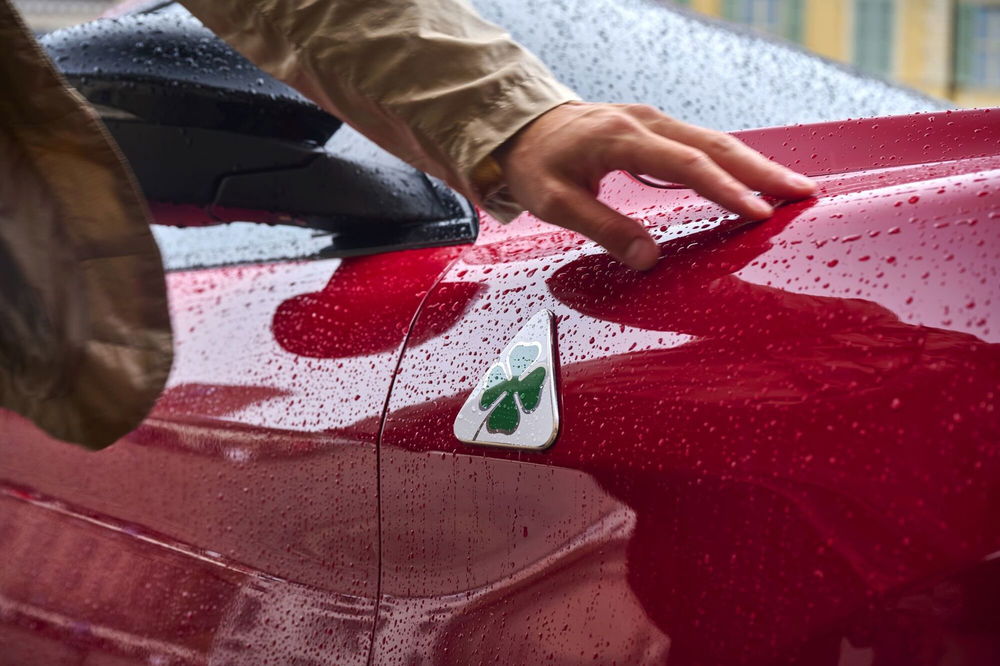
(366, 307)
(258, 468)
(780, 446)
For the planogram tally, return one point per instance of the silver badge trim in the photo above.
(535, 429)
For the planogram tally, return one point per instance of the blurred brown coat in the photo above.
(85, 343)
(85, 340)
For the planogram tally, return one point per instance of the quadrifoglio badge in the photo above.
(514, 404)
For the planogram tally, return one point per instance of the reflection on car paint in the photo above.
(779, 446)
(801, 415)
(256, 470)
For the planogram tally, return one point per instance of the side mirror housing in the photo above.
(165, 67)
(211, 138)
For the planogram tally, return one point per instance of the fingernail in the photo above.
(759, 207)
(641, 254)
(800, 182)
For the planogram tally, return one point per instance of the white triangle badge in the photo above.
(514, 404)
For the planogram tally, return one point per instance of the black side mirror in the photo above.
(212, 138)
(165, 67)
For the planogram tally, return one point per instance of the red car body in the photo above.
(779, 446)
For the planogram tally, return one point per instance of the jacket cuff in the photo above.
(502, 206)
(490, 188)
(523, 99)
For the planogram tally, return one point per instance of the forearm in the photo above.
(428, 80)
(436, 85)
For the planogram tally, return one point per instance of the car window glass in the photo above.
(231, 243)
(694, 68)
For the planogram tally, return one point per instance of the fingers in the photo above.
(553, 166)
(670, 160)
(731, 154)
(575, 208)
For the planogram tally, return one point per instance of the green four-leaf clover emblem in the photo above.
(515, 403)
(511, 394)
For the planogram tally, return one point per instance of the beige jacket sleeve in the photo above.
(428, 80)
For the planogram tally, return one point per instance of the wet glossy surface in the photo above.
(779, 446)
(239, 523)
(701, 70)
(104, 592)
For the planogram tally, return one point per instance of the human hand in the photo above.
(554, 165)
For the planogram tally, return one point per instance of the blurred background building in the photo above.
(946, 48)
(47, 15)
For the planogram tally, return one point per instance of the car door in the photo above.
(239, 522)
(776, 447)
